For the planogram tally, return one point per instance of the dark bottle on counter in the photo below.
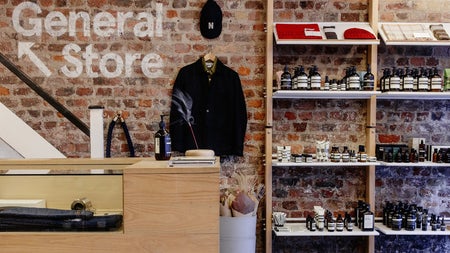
(315, 79)
(443, 226)
(408, 81)
(286, 79)
(436, 81)
(368, 79)
(163, 142)
(302, 79)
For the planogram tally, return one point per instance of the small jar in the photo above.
(308, 158)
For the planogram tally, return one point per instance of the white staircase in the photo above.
(18, 140)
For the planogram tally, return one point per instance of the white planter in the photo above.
(238, 234)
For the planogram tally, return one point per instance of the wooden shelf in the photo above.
(323, 164)
(426, 32)
(388, 231)
(299, 229)
(299, 94)
(340, 27)
(421, 164)
(414, 95)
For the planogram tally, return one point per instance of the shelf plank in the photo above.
(299, 94)
(432, 41)
(414, 95)
(388, 231)
(276, 163)
(421, 164)
(340, 27)
(299, 229)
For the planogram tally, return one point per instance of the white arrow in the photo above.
(25, 49)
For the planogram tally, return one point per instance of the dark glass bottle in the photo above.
(368, 220)
(315, 79)
(387, 85)
(286, 80)
(163, 142)
(415, 73)
(368, 79)
(423, 81)
(302, 79)
(397, 219)
(422, 152)
(436, 81)
(339, 223)
(353, 80)
(394, 80)
(295, 78)
(326, 84)
(408, 81)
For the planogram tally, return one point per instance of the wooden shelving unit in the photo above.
(370, 96)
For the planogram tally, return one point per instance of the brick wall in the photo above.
(241, 46)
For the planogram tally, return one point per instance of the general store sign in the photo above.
(28, 22)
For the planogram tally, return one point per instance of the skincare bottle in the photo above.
(315, 79)
(368, 220)
(436, 81)
(368, 80)
(286, 81)
(163, 142)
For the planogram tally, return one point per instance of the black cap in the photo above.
(211, 20)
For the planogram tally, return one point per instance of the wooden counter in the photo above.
(165, 209)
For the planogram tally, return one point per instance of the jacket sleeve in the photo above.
(240, 120)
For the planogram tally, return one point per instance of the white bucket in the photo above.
(238, 234)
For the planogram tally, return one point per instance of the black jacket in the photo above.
(218, 110)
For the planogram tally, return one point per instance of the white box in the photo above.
(23, 203)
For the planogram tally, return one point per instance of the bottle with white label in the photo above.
(394, 80)
(315, 79)
(286, 80)
(302, 79)
(353, 80)
(423, 81)
(368, 220)
(408, 81)
(368, 80)
(436, 81)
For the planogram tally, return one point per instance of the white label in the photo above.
(302, 82)
(408, 83)
(423, 83)
(436, 83)
(394, 82)
(353, 82)
(157, 146)
(316, 82)
(368, 221)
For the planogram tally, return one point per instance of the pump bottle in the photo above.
(163, 142)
